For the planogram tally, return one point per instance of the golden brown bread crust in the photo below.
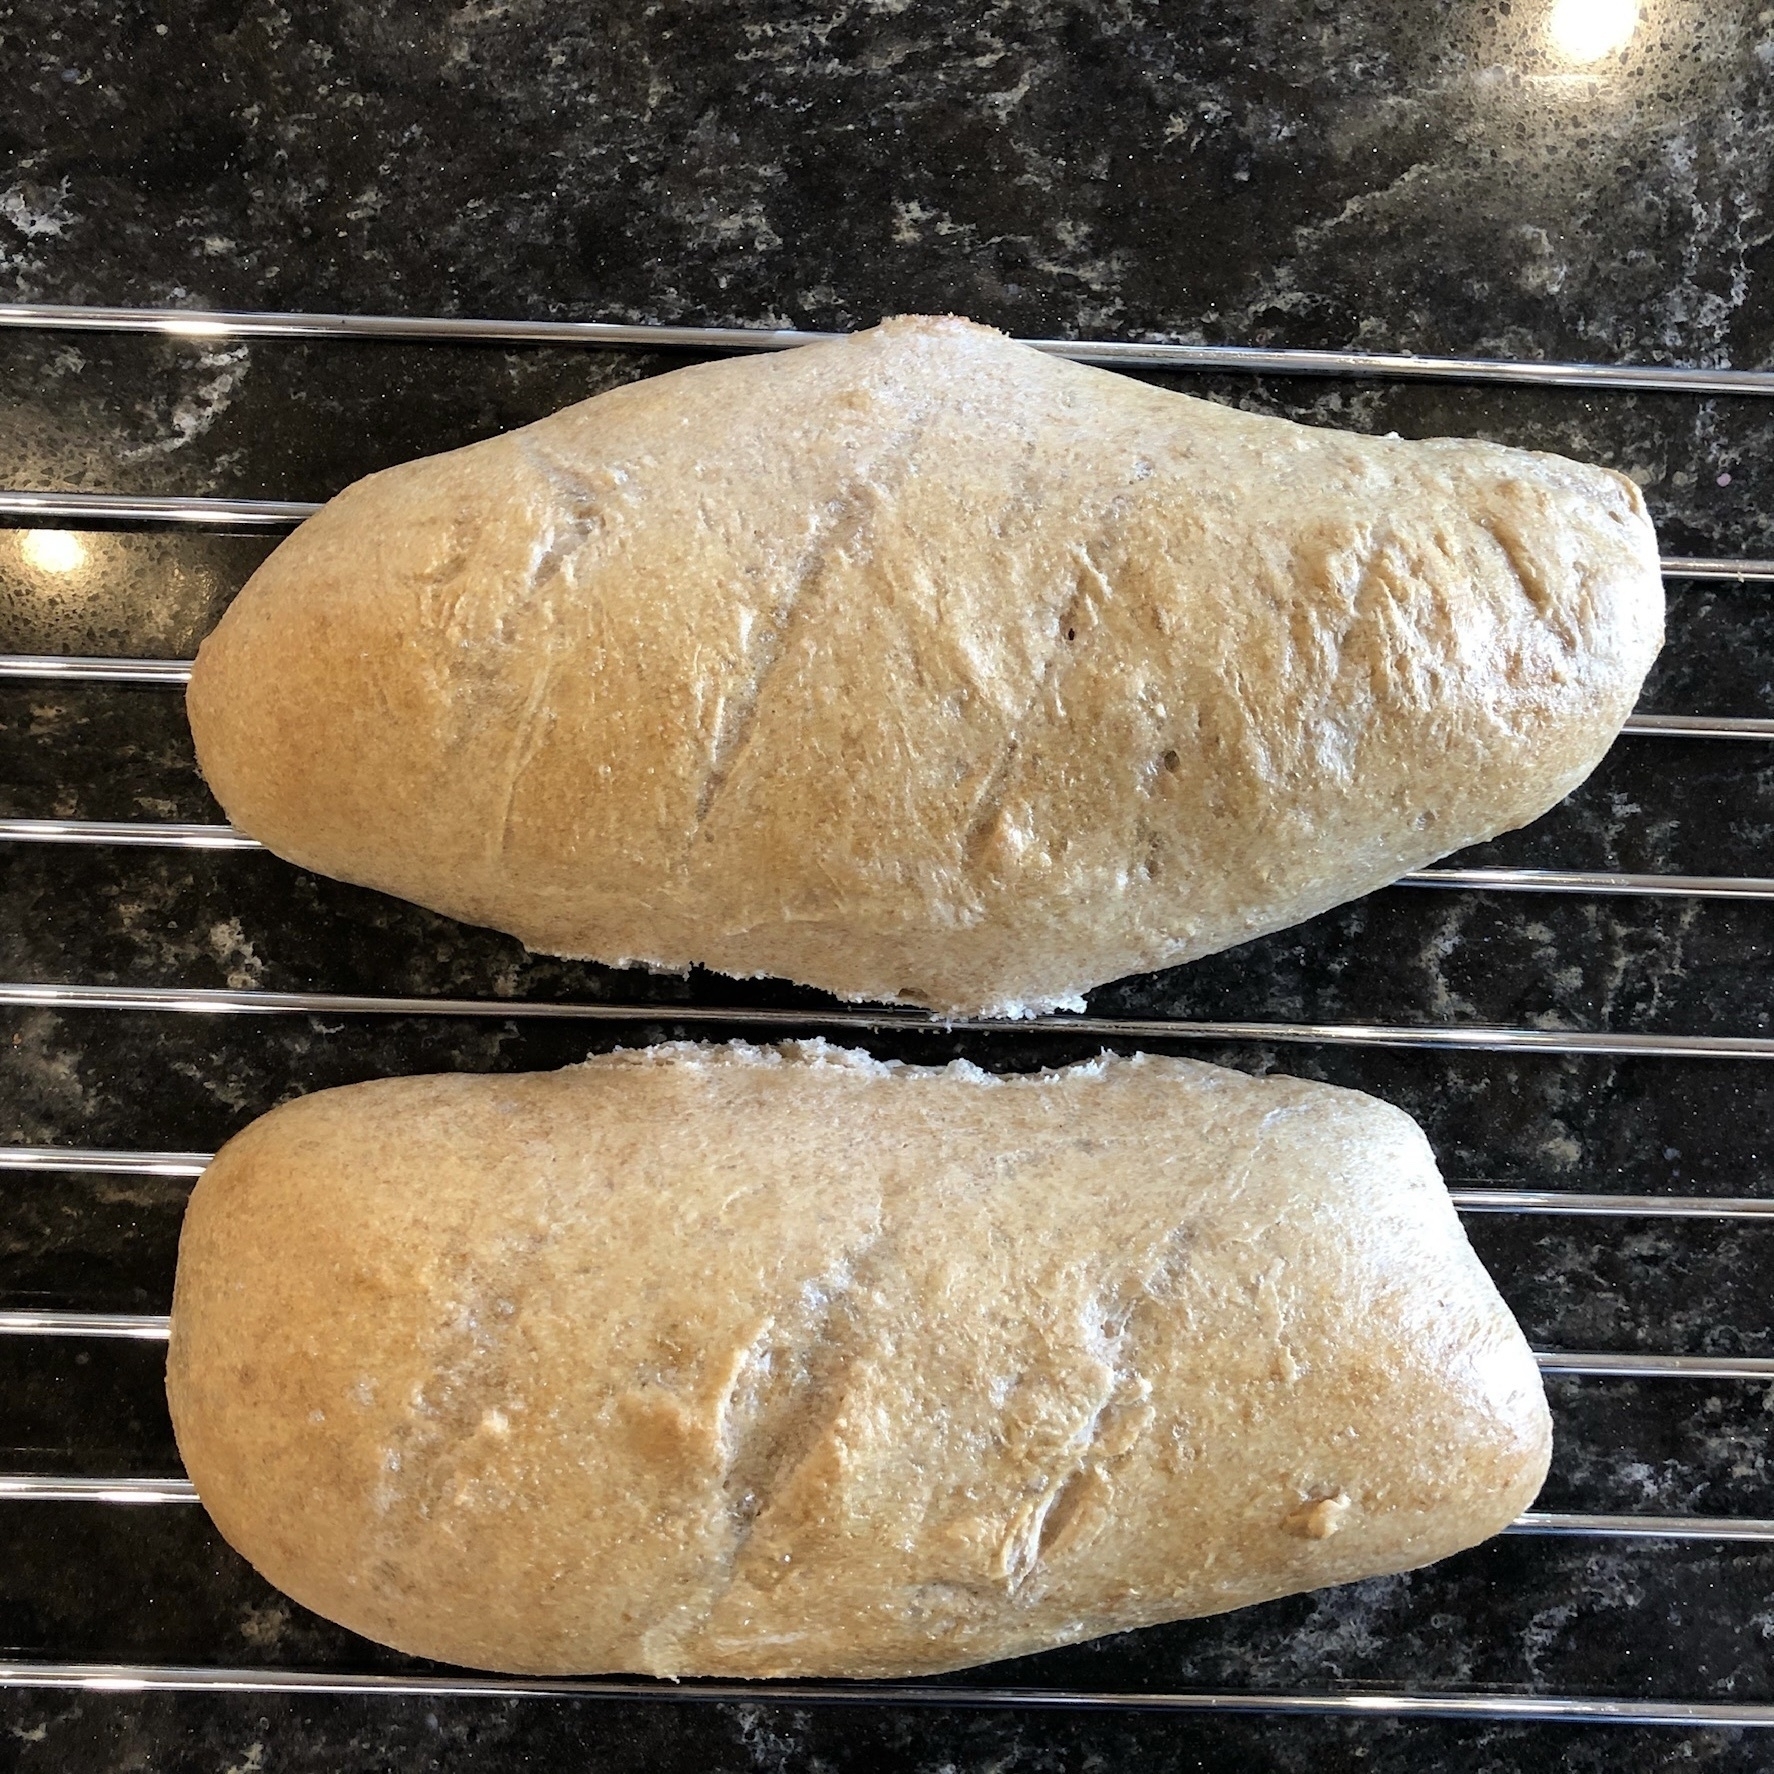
(923, 666)
(784, 1362)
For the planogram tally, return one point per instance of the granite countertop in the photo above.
(1346, 173)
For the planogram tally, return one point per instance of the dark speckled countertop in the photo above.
(1383, 174)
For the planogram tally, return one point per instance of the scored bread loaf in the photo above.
(739, 1361)
(922, 666)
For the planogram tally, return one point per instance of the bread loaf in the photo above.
(923, 667)
(733, 1361)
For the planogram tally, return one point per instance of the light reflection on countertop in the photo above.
(55, 552)
(114, 591)
(1584, 31)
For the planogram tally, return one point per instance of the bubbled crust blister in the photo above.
(924, 666)
(733, 1361)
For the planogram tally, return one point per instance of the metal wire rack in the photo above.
(28, 507)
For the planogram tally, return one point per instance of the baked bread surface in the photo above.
(738, 1361)
(922, 666)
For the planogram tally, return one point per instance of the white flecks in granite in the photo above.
(43, 1060)
(233, 950)
(35, 212)
(193, 413)
(263, 1627)
(1442, 1003)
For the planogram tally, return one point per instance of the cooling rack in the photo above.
(33, 507)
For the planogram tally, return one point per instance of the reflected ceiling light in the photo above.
(1587, 30)
(53, 551)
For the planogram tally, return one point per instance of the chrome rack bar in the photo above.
(1697, 727)
(1598, 1366)
(1587, 881)
(216, 323)
(223, 323)
(1572, 1709)
(78, 668)
(70, 668)
(104, 1163)
(149, 1327)
(171, 835)
(155, 508)
(144, 834)
(131, 1327)
(1571, 1203)
(1480, 1038)
(26, 1487)
(1683, 566)
(199, 511)
(1644, 1527)
(1479, 1199)
(178, 671)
